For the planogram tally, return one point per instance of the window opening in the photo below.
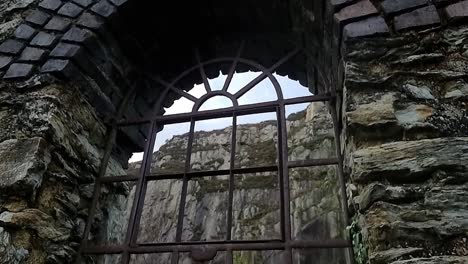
(190, 185)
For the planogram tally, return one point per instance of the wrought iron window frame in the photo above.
(207, 250)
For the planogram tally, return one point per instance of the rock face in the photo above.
(406, 142)
(315, 205)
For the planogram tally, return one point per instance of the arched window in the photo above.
(265, 187)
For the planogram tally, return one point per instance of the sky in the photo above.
(263, 92)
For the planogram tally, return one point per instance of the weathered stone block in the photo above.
(406, 160)
(38, 18)
(90, 21)
(19, 70)
(11, 46)
(366, 28)
(63, 67)
(104, 9)
(32, 54)
(83, 3)
(457, 11)
(70, 10)
(24, 32)
(23, 163)
(58, 24)
(5, 61)
(77, 35)
(43, 39)
(118, 2)
(360, 9)
(395, 6)
(52, 5)
(65, 50)
(419, 18)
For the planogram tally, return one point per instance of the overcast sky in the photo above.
(263, 92)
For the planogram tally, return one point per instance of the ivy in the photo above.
(359, 245)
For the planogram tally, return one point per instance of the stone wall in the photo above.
(406, 134)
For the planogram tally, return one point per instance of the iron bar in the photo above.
(222, 246)
(231, 177)
(342, 182)
(240, 110)
(284, 184)
(137, 200)
(206, 173)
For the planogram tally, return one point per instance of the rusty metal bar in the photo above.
(222, 246)
(141, 181)
(265, 74)
(205, 173)
(342, 182)
(226, 112)
(231, 178)
(284, 177)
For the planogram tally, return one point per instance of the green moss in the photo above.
(257, 182)
(359, 246)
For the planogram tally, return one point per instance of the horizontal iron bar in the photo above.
(220, 246)
(198, 174)
(226, 112)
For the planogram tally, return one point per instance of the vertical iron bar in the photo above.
(342, 182)
(229, 256)
(183, 196)
(284, 171)
(231, 178)
(141, 181)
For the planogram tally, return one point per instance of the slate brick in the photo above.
(24, 32)
(19, 70)
(353, 12)
(65, 50)
(369, 27)
(31, 54)
(52, 5)
(38, 18)
(77, 35)
(84, 3)
(70, 10)
(43, 39)
(104, 9)
(90, 21)
(62, 67)
(11, 46)
(419, 18)
(396, 6)
(58, 24)
(121, 2)
(340, 3)
(457, 12)
(5, 61)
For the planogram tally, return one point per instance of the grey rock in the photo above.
(406, 159)
(23, 163)
(383, 257)
(419, 92)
